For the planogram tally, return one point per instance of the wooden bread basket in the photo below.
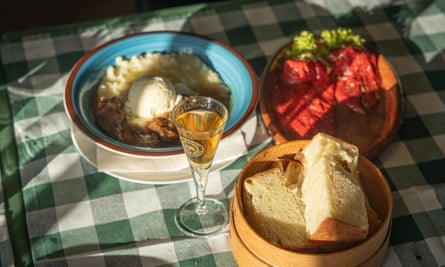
(250, 249)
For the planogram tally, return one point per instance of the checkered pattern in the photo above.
(6, 253)
(76, 215)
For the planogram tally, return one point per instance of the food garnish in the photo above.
(307, 45)
(341, 37)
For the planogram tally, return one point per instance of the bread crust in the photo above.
(334, 235)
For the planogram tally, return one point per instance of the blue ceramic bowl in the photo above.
(85, 76)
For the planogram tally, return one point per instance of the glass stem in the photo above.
(200, 176)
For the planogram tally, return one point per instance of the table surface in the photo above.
(58, 209)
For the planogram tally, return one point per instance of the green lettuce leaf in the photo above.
(310, 47)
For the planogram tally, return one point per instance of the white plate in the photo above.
(90, 150)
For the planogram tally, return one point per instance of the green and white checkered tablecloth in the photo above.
(58, 210)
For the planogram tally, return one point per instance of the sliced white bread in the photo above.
(335, 208)
(335, 204)
(274, 207)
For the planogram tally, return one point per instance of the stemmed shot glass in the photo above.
(200, 122)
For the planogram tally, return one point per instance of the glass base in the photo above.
(193, 221)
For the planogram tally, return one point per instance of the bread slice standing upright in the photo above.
(335, 210)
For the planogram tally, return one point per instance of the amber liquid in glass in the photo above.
(200, 135)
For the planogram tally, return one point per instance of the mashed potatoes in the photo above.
(187, 72)
(118, 113)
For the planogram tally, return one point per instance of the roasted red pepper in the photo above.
(356, 78)
(303, 98)
(304, 94)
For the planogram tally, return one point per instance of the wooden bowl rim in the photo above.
(245, 257)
